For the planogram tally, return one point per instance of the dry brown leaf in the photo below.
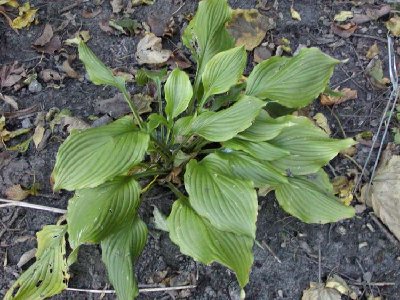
(385, 190)
(249, 27)
(10, 100)
(11, 74)
(393, 25)
(53, 45)
(69, 70)
(90, 14)
(142, 102)
(348, 94)
(374, 71)
(336, 282)
(372, 51)
(149, 50)
(26, 16)
(45, 37)
(38, 135)
(345, 30)
(318, 291)
(50, 75)
(371, 14)
(16, 193)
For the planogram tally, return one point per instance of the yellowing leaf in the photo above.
(295, 14)
(38, 135)
(16, 193)
(343, 188)
(372, 51)
(26, 16)
(318, 291)
(322, 122)
(21, 147)
(393, 25)
(12, 3)
(249, 27)
(375, 73)
(343, 16)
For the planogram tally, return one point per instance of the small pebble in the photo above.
(280, 293)
(26, 123)
(341, 230)
(362, 245)
(35, 87)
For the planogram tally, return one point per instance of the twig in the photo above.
(374, 283)
(369, 37)
(143, 290)
(266, 246)
(34, 206)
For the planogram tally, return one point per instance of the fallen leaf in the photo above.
(142, 102)
(396, 138)
(149, 50)
(38, 135)
(69, 18)
(45, 37)
(26, 257)
(343, 16)
(159, 220)
(393, 25)
(73, 123)
(50, 75)
(345, 30)
(318, 291)
(346, 94)
(105, 26)
(10, 100)
(69, 70)
(374, 72)
(142, 2)
(343, 188)
(16, 193)
(179, 60)
(11, 74)
(117, 5)
(78, 36)
(336, 282)
(372, 51)
(126, 25)
(249, 27)
(115, 106)
(21, 147)
(295, 14)
(26, 16)
(385, 190)
(371, 14)
(90, 14)
(6, 135)
(322, 122)
(12, 3)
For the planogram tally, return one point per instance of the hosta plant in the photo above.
(217, 128)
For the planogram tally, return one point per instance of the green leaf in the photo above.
(197, 238)
(225, 124)
(259, 150)
(142, 76)
(223, 71)
(245, 167)
(292, 82)
(95, 213)
(311, 203)
(48, 275)
(91, 157)
(98, 72)
(178, 92)
(266, 128)
(228, 203)
(119, 252)
(206, 35)
(310, 147)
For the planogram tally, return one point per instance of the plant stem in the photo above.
(149, 173)
(175, 190)
(160, 108)
(164, 151)
(128, 99)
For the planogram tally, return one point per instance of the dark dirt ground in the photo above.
(296, 244)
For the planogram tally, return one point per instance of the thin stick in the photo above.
(265, 245)
(374, 283)
(34, 206)
(144, 290)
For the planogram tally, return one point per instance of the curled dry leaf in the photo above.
(11, 74)
(295, 14)
(343, 188)
(318, 291)
(249, 27)
(69, 70)
(10, 100)
(50, 75)
(47, 42)
(372, 51)
(347, 94)
(393, 25)
(26, 16)
(16, 193)
(385, 190)
(322, 122)
(149, 50)
(371, 14)
(336, 282)
(344, 30)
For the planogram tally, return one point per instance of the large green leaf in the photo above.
(229, 203)
(178, 92)
(225, 124)
(310, 147)
(311, 203)
(223, 71)
(48, 275)
(259, 150)
(292, 82)
(98, 72)
(91, 157)
(245, 167)
(206, 35)
(119, 252)
(198, 238)
(266, 128)
(95, 213)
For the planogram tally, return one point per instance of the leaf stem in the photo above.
(175, 190)
(164, 151)
(128, 99)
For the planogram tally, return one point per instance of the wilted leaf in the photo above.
(12, 3)
(346, 94)
(385, 190)
(318, 291)
(69, 70)
(345, 30)
(38, 135)
(343, 16)
(371, 14)
(16, 193)
(336, 282)
(375, 73)
(322, 122)
(45, 37)
(393, 25)
(50, 75)
(249, 27)
(73, 123)
(149, 50)
(295, 14)
(10, 100)
(26, 16)
(372, 51)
